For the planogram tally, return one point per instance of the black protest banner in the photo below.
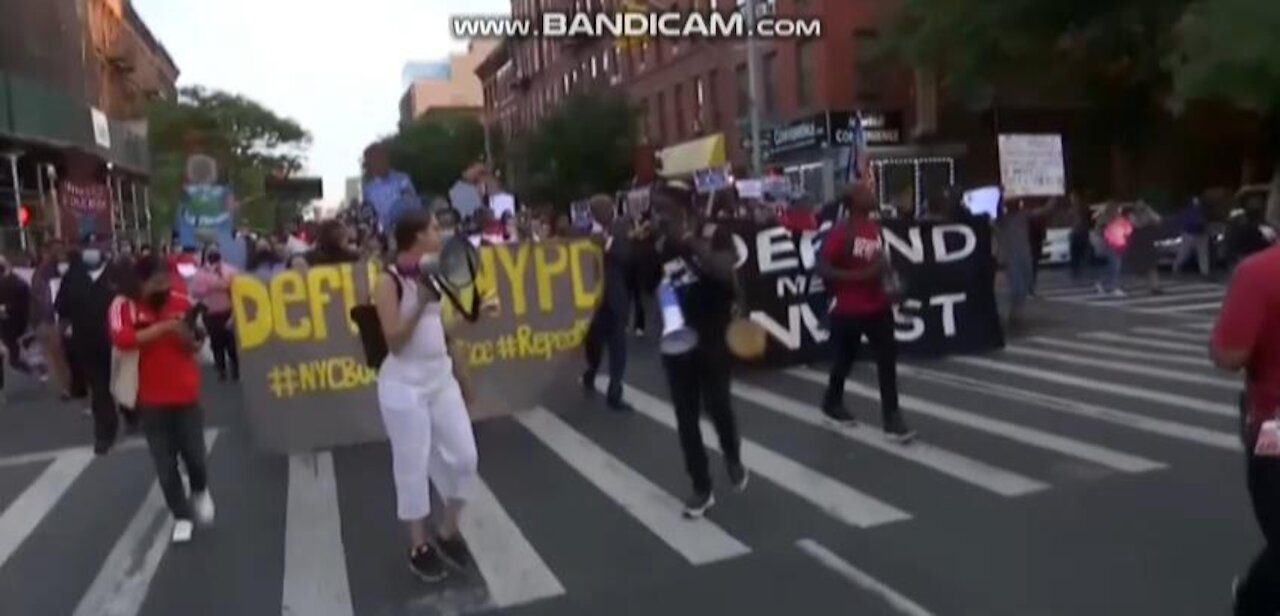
(948, 308)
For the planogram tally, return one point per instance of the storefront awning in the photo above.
(683, 159)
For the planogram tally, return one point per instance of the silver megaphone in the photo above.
(677, 338)
(453, 270)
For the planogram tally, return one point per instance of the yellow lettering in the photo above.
(584, 298)
(333, 369)
(545, 270)
(348, 295)
(288, 288)
(308, 380)
(515, 274)
(248, 291)
(318, 279)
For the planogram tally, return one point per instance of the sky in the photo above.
(332, 65)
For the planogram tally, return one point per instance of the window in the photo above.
(770, 72)
(868, 75)
(642, 121)
(805, 74)
(679, 104)
(700, 101)
(744, 95)
(713, 99)
(661, 115)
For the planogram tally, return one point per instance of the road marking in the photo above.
(832, 561)
(1096, 454)
(1159, 332)
(121, 585)
(513, 571)
(1181, 308)
(315, 562)
(1159, 397)
(26, 512)
(129, 444)
(1201, 325)
(975, 472)
(1201, 350)
(1176, 376)
(1132, 301)
(1195, 362)
(700, 542)
(1194, 434)
(1092, 297)
(836, 499)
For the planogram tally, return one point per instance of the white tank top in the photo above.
(424, 360)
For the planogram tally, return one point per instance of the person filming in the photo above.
(422, 406)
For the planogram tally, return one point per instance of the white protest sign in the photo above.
(1032, 166)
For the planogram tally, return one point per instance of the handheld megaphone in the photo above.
(452, 271)
(677, 338)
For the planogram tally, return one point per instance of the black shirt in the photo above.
(707, 303)
(618, 251)
(84, 302)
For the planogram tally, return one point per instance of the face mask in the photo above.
(62, 268)
(156, 299)
(446, 234)
(92, 258)
(213, 258)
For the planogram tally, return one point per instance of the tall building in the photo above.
(451, 87)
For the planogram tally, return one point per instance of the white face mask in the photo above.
(92, 258)
(62, 268)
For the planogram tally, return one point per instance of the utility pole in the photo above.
(753, 87)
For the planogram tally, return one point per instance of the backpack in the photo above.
(365, 316)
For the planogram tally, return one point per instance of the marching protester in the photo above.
(698, 260)
(45, 280)
(15, 312)
(855, 266)
(1110, 239)
(1078, 242)
(331, 245)
(150, 318)
(1194, 226)
(1142, 258)
(83, 302)
(609, 325)
(211, 288)
(1247, 337)
(422, 406)
(386, 191)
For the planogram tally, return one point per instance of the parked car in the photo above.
(1057, 246)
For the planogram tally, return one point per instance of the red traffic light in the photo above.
(24, 216)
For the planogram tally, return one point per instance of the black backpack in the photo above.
(365, 316)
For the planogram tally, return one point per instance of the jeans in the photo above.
(1081, 252)
(607, 327)
(1021, 277)
(846, 338)
(173, 433)
(699, 380)
(222, 341)
(1109, 277)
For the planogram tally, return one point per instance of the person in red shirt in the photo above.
(150, 318)
(853, 264)
(1247, 337)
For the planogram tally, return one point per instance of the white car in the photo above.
(1057, 246)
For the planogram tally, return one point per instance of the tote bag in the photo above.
(124, 365)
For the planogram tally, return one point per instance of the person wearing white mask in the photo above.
(83, 302)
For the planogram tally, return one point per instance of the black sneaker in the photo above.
(840, 416)
(426, 563)
(896, 430)
(101, 448)
(698, 504)
(454, 551)
(738, 477)
(588, 382)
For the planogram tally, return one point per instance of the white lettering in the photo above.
(914, 252)
(581, 25)
(940, 252)
(555, 24)
(740, 247)
(775, 251)
(905, 314)
(798, 285)
(800, 318)
(948, 303)
(637, 25)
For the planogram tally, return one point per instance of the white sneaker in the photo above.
(182, 530)
(202, 506)
(1097, 286)
(1118, 293)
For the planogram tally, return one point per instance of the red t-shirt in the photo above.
(1250, 319)
(855, 245)
(167, 372)
(798, 220)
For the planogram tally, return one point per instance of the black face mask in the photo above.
(213, 258)
(156, 299)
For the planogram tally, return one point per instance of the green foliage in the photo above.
(434, 151)
(585, 146)
(248, 140)
(1229, 50)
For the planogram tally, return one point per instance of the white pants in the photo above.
(431, 442)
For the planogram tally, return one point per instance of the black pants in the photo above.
(637, 285)
(173, 433)
(608, 327)
(1081, 251)
(846, 338)
(700, 380)
(222, 341)
(78, 387)
(96, 365)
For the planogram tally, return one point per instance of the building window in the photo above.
(868, 75)
(744, 94)
(700, 101)
(713, 99)
(805, 72)
(678, 101)
(770, 75)
(661, 115)
(642, 121)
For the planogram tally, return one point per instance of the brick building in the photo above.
(453, 88)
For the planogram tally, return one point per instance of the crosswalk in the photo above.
(567, 488)
(1178, 297)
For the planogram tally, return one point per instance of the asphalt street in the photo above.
(1092, 467)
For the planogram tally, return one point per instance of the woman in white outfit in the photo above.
(421, 403)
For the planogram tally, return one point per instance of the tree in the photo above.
(434, 151)
(249, 141)
(585, 146)
(1228, 51)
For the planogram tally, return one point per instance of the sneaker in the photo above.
(738, 477)
(425, 563)
(202, 506)
(698, 504)
(101, 448)
(1097, 286)
(619, 405)
(182, 530)
(840, 416)
(639, 332)
(454, 551)
(896, 430)
(588, 382)
(1118, 292)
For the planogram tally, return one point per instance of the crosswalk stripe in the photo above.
(1182, 308)
(25, 512)
(1166, 399)
(1196, 362)
(1091, 296)
(120, 588)
(1132, 301)
(1194, 434)
(835, 498)
(975, 472)
(1028, 436)
(1159, 332)
(830, 560)
(43, 456)
(1200, 326)
(315, 565)
(1198, 349)
(700, 542)
(513, 571)
(1176, 376)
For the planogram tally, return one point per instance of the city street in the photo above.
(1093, 467)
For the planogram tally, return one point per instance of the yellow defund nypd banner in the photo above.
(303, 372)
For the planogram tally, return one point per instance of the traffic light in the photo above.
(24, 216)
